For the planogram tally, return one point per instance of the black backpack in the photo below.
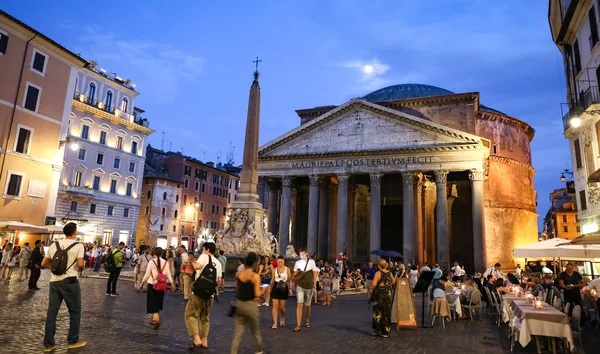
(109, 261)
(205, 285)
(60, 259)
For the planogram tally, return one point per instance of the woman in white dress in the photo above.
(413, 276)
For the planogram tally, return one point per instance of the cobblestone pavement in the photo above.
(119, 324)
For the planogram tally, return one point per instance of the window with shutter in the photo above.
(593, 26)
(577, 57)
(31, 98)
(3, 43)
(577, 148)
(23, 141)
(582, 200)
(14, 185)
(39, 61)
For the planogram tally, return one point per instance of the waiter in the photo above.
(571, 282)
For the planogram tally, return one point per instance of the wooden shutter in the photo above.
(32, 98)
(38, 62)
(3, 43)
(593, 26)
(577, 57)
(577, 153)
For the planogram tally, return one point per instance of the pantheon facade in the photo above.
(417, 169)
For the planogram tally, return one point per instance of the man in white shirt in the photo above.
(546, 270)
(198, 307)
(241, 266)
(456, 272)
(425, 268)
(493, 271)
(594, 286)
(307, 273)
(65, 287)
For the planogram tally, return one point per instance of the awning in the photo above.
(21, 226)
(557, 247)
(591, 239)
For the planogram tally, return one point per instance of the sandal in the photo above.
(193, 347)
(297, 329)
(307, 324)
(274, 326)
(282, 324)
(156, 324)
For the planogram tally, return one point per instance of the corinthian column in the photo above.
(286, 214)
(313, 214)
(375, 225)
(408, 216)
(273, 197)
(342, 214)
(441, 214)
(476, 177)
(323, 218)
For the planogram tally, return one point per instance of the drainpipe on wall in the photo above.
(12, 116)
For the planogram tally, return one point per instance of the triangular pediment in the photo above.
(362, 126)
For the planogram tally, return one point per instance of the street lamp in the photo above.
(563, 179)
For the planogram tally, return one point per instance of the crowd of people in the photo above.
(260, 281)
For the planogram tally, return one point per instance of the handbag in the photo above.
(232, 309)
(281, 285)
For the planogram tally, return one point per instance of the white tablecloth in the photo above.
(454, 302)
(541, 322)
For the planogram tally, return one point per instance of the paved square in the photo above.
(119, 324)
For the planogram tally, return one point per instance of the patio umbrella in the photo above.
(382, 253)
(20, 226)
(592, 239)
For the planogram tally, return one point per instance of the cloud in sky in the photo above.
(369, 74)
(148, 63)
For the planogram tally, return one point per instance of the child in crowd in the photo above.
(326, 281)
(335, 283)
(12, 262)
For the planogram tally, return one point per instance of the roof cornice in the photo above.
(111, 117)
(511, 161)
(372, 107)
(492, 116)
(456, 147)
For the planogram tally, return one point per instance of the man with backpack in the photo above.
(208, 274)
(64, 258)
(113, 263)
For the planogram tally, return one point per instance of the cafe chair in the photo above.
(474, 305)
(556, 303)
(441, 310)
(514, 325)
(576, 326)
(497, 305)
(489, 301)
(429, 302)
(567, 308)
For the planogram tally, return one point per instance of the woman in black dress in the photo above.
(382, 300)
(281, 288)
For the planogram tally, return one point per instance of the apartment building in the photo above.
(158, 223)
(561, 221)
(575, 30)
(206, 191)
(37, 79)
(104, 163)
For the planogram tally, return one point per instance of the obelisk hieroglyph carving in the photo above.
(245, 231)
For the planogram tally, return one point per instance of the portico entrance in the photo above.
(362, 178)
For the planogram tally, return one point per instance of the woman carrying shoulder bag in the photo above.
(281, 288)
(157, 275)
(248, 290)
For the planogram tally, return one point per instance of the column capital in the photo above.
(476, 175)
(343, 179)
(287, 181)
(375, 177)
(409, 177)
(314, 180)
(441, 177)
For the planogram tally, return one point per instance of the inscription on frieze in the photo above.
(370, 162)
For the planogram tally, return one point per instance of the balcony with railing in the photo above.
(76, 191)
(103, 107)
(580, 105)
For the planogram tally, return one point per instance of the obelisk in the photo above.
(245, 231)
(249, 179)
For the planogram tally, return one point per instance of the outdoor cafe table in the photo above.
(454, 299)
(511, 297)
(548, 322)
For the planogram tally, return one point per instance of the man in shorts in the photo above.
(307, 273)
(370, 271)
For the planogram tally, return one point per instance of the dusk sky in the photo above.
(191, 61)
